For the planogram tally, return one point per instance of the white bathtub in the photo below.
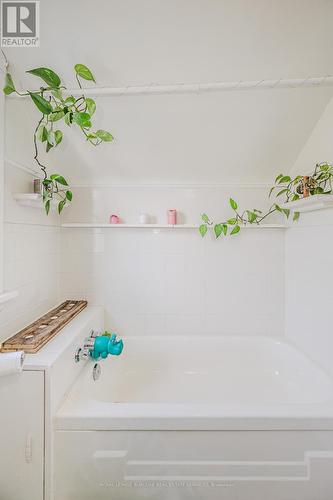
(246, 417)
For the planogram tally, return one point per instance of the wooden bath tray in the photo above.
(32, 338)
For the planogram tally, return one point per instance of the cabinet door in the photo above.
(22, 436)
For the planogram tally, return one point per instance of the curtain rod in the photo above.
(198, 88)
(184, 88)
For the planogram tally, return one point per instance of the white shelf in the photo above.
(159, 226)
(31, 200)
(34, 200)
(311, 203)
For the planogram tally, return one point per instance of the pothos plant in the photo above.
(285, 187)
(56, 107)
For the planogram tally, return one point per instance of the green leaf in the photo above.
(232, 221)
(61, 205)
(271, 191)
(203, 229)
(296, 216)
(91, 105)
(50, 137)
(70, 100)
(9, 87)
(59, 178)
(49, 146)
(42, 133)
(58, 137)
(224, 229)
(233, 204)
(42, 104)
(205, 218)
(46, 74)
(235, 230)
(84, 72)
(251, 216)
(278, 208)
(91, 135)
(282, 191)
(286, 212)
(47, 206)
(218, 230)
(295, 197)
(284, 179)
(57, 114)
(69, 195)
(82, 119)
(278, 178)
(69, 118)
(104, 135)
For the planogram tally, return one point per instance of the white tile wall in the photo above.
(174, 282)
(31, 258)
(309, 286)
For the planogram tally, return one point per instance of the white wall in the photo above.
(319, 146)
(133, 42)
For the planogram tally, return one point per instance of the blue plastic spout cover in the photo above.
(105, 345)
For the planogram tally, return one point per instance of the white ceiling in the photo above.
(226, 137)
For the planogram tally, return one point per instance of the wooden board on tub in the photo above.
(33, 337)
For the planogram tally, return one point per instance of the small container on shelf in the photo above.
(172, 216)
(38, 186)
(114, 219)
(144, 218)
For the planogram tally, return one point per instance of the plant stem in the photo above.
(43, 168)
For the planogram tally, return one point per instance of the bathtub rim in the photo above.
(131, 416)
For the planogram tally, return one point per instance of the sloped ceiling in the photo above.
(242, 136)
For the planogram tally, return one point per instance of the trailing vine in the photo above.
(55, 107)
(290, 189)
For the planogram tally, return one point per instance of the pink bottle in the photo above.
(172, 216)
(114, 219)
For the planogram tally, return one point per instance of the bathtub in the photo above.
(198, 417)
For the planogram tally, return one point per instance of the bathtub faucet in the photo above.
(99, 345)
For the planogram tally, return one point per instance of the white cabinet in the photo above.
(22, 436)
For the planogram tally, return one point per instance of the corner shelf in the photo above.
(311, 203)
(33, 200)
(158, 226)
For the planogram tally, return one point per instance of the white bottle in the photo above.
(144, 218)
